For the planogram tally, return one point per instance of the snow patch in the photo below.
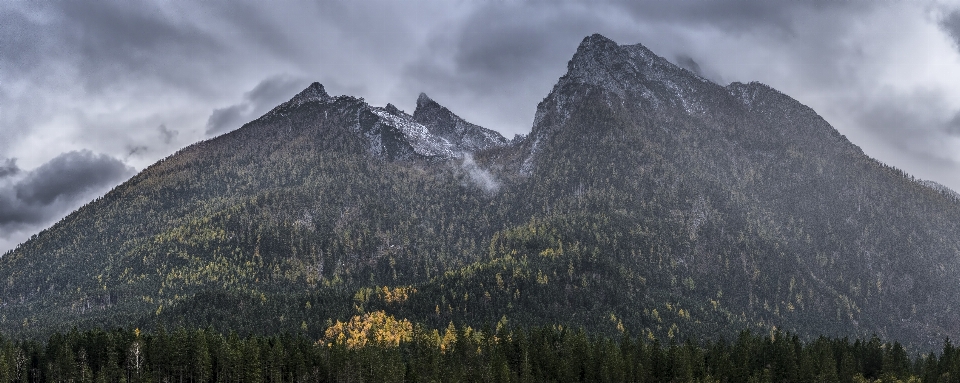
(417, 135)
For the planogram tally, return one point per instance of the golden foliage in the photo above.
(396, 294)
(375, 328)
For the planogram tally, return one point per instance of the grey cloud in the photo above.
(136, 150)
(508, 55)
(479, 176)
(501, 44)
(951, 24)
(36, 198)
(167, 134)
(907, 123)
(687, 62)
(116, 38)
(736, 16)
(8, 167)
(266, 95)
(70, 175)
(953, 126)
(226, 119)
(21, 40)
(106, 43)
(274, 90)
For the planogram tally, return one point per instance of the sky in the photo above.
(92, 92)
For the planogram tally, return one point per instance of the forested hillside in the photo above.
(646, 200)
(377, 347)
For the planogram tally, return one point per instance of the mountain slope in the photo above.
(645, 199)
(762, 197)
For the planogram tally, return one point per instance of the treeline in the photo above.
(377, 347)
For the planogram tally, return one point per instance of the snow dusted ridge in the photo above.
(389, 132)
(418, 136)
(432, 131)
(442, 122)
(314, 92)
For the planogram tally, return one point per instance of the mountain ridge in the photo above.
(645, 199)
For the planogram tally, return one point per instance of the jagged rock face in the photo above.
(432, 132)
(442, 122)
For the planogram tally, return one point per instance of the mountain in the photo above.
(646, 199)
(442, 122)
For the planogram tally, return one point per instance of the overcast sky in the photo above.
(93, 91)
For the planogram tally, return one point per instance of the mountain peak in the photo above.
(601, 61)
(423, 100)
(442, 122)
(596, 42)
(314, 92)
(393, 109)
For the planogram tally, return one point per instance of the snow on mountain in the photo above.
(418, 136)
(433, 130)
(444, 123)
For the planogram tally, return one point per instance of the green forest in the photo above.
(378, 347)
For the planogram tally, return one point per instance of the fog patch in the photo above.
(8, 167)
(687, 62)
(478, 176)
(167, 134)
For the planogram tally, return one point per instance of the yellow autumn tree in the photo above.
(371, 328)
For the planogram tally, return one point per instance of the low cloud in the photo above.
(32, 200)
(265, 96)
(167, 134)
(8, 167)
(70, 175)
(479, 176)
(687, 62)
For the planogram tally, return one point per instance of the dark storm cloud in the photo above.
(116, 38)
(951, 24)
(44, 194)
(70, 175)
(105, 43)
(265, 96)
(8, 167)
